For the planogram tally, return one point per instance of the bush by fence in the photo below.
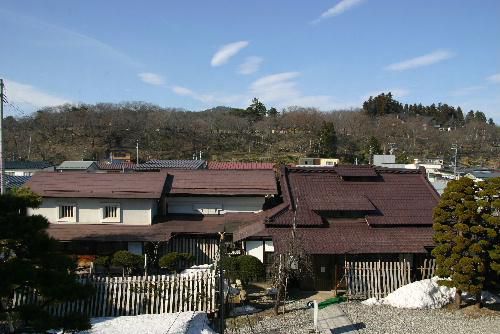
(133, 295)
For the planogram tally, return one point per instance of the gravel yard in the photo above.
(388, 320)
(296, 321)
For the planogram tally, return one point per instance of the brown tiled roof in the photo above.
(222, 182)
(239, 165)
(208, 224)
(396, 208)
(108, 232)
(394, 197)
(350, 171)
(162, 230)
(116, 165)
(98, 185)
(356, 237)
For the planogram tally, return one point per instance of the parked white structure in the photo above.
(26, 168)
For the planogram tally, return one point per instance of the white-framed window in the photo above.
(208, 209)
(329, 163)
(111, 213)
(27, 173)
(67, 212)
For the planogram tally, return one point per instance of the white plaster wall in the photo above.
(255, 248)
(190, 205)
(132, 211)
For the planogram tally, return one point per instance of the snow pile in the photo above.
(424, 294)
(246, 309)
(371, 302)
(197, 269)
(182, 322)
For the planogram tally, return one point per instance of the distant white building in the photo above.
(77, 166)
(318, 162)
(432, 167)
(26, 168)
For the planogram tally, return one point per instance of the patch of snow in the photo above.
(371, 301)
(246, 309)
(181, 322)
(424, 294)
(197, 269)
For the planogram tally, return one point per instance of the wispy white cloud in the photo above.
(152, 78)
(207, 98)
(226, 52)
(425, 60)
(183, 91)
(55, 35)
(23, 94)
(251, 65)
(282, 90)
(466, 90)
(495, 78)
(338, 9)
(279, 90)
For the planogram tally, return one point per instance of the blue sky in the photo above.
(199, 54)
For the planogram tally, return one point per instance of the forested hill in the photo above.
(254, 134)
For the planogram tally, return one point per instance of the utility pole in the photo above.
(137, 151)
(455, 147)
(2, 185)
(222, 254)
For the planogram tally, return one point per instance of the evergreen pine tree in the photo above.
(489, 206)
(462, 239)
(328, 140)
(30, 260)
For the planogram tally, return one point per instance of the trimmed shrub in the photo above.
(175, 261)
(127, 260)
(250, 268)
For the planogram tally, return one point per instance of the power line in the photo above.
(12, 105)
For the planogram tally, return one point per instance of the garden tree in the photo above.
(465, 233)
(291, 263)
(175, 262)
(490, 121)
(327, 140)
(246, 268)
(31, 260)
(489, 206)
(127, 260)
(256, 110)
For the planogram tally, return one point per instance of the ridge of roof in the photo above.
(26, 164)
(99, 185)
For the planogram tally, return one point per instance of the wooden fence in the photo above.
(375, 279)
(117, 296)
(428, 269)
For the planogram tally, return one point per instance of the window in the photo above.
(208, 209)
(67, 213)
(27, 173)
(329, 163)
(111, 213)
